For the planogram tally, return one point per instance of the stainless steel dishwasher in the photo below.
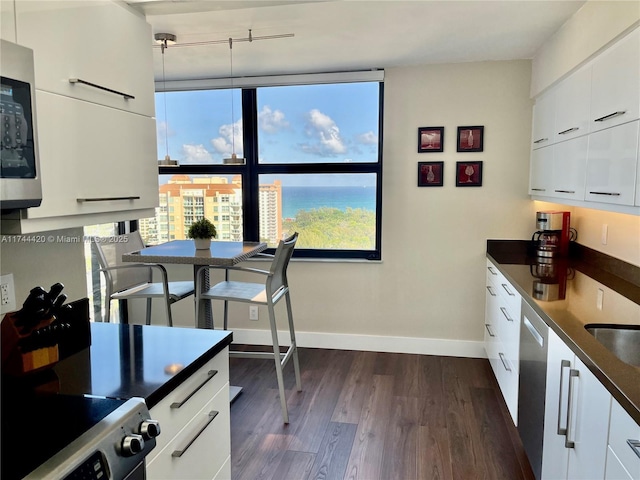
(534, 334)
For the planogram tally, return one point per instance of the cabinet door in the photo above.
(572, 105)
(615, 96)
(555, 455)
(543, 120)
(96, 41)
(541, 171)
(97, 153)
(569, 169)
(622, 429)
(611, 165)
(588, 425)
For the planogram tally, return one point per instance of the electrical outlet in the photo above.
(253, 312)
(7, 294)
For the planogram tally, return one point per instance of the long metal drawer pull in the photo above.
(611, 115)
(180, 451)
(540, 140)
(504, 285)
(106, 199)
(506, 315)
(613, 194)
(210, 375)
(565, 191)
(635, 446)
(539, 189)
(491, 270)
(100, 87)
(532, 330)
(493, 294)
(487, 326)
(572, 374)
(504, 362)
(568, 130)
(562, 430)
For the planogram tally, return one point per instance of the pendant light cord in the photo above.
(164, 97)
(233, 127)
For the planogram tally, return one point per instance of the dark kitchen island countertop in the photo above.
(127, 361)
(567, 317)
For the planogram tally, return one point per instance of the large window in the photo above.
(313, 165)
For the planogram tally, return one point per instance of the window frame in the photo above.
(250, 173)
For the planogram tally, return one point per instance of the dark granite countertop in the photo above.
(586, 270)
(127, 361)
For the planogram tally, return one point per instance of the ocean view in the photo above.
(295, 199)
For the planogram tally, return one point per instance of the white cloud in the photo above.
(271, 121)
(326, 135)
(195, 154)
(223, 144)
(368, 138)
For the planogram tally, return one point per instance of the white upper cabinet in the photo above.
(615, 94)
(543, 120)
(572, 106)
(569, 169)
(611, 165)
(98, 42)
(541, 171)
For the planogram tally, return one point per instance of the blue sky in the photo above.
(310, 124)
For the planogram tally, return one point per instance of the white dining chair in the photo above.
(126, 281)
(269, 292)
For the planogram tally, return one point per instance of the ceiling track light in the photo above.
(165, 39)
(249, 38)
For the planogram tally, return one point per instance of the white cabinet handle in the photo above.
(491, 270)
(562, 430)
(100, 87)
(611, 115)
(180, 451)
(511, 294)
(506, 315)
(635, 446)
(565, 191)
(613, 194)
(487, 326)
(568, 130)
(210, 375)
(504, 362)
(569, 442)
(539, 189)
(491, 292)
(540, 140)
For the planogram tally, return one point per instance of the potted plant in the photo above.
(202, 231)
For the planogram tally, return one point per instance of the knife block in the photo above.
(16, 361)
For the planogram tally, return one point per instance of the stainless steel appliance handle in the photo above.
(532, 330)
(635, 446)
(613, 194)
(210, 375)
(506, 315)
(509, 292)
(106, 199)
(491, 292)
(488, 327)
(100, 87)
(568, 130)
(562, 430)
(540, 140)
(180, 451)
(504, 361)
(568, 441)
(611, 115)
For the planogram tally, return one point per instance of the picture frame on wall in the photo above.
(468, 174)
(430, 139)
(470, 139)
(430, 174)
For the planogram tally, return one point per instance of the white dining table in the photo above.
(220, 254)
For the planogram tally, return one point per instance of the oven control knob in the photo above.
(132, 444)
(150, 429)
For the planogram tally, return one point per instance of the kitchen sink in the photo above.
(621, 340)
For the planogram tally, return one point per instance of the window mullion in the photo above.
(250, 187)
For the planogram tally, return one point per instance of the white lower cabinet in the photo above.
(502, 335)
(195, 439)
(623, 453)
(576, 421)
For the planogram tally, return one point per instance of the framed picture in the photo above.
(430, 174)
(470, 139)
(468, 174)
(430, 139)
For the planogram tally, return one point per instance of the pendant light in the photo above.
(234, 159)
(165, 39)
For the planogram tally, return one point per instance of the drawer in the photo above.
(493, 275)
(507, 376)
(621, 429)
(225, 471)
(614, 469)
(178, 408)
(201, 448)
(503, 287)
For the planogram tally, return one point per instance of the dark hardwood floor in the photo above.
(373, 416)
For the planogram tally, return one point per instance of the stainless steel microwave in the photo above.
(20, 185)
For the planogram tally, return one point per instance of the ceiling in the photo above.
(341, 35)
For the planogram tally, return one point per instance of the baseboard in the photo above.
(371, 343)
